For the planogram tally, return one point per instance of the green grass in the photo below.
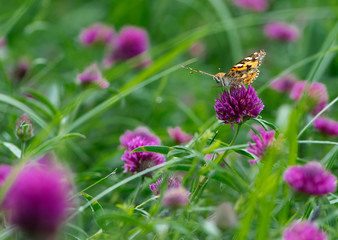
(81, 126)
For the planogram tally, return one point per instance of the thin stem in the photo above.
(138, 191)
(200, 187)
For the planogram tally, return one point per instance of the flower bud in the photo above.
(24, 128)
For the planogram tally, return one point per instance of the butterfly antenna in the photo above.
(199, 71)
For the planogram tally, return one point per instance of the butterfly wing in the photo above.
(245, 71)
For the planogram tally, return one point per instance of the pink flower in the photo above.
(284, 83)
(131, 42)
(311, 179)
(238, 105)
(139, 161)
(176, 198)
(262, 143)
(255, 5)
(92, 74)
(172, 182)
(140, 131)
(326, 125)
(21, 70)
(179, 136)
(281, 31)
(5, 170)
(197, 50)
(39, 202)
(304, 231)
(97, 33)
(317, 94)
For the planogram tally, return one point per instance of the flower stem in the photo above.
(202, 184)
(138, 191)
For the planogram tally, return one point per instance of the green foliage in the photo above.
(82, 126)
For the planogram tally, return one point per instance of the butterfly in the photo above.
(245, 71)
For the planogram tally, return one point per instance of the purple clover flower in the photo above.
(131, 42)
(304, 231)
(5, 170)
(317, 94)
(284, 83)
(281, 31)
(255, 5)
(238, 105)
(139, 161)
(326, 125)
(92, 74)
(197, 50)
(140, 131)
(311, 179)
(179, 136)
(261, 144)
(21, 70)
(172, 182)
(176, 198)
(97, 33)
(39, 202)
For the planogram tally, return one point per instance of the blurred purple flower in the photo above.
(5, 170)
(224, 216)
(172, 182)
(139, 132)
(92, 74)
(304, 231)
(238, 105)
(139, 161)
(281, 31)
(212, 156)
(255, 5)
(326, 125)
(2, 42)
(311, 179)
(39, 202)
(97, 33)
(176, 198)
(197, 50)
(21, 70)
(179, 136)
(284, 83)
(317, 94)
(262, 143)
(131, 41)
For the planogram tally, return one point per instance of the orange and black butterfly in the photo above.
(245, 71)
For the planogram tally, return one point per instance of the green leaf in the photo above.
(15, 17)
(14, 149)
(95, 205)
(12, 101)
(244, 153)
(155, 149)
(42, 99)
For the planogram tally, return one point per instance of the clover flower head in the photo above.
(140, 131)
(92, 74)
(179, 136)
(281, 31)
(5, 170)
(24, 129)
(97, 33)
(317, 95)
(326, 126)
(311, 179)
(176, 198)
(304, 230)
(284, 83)
(172, 182)
(39, 202)
(139, 161)
(238, 105)
(262, 143)
(255, 5)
